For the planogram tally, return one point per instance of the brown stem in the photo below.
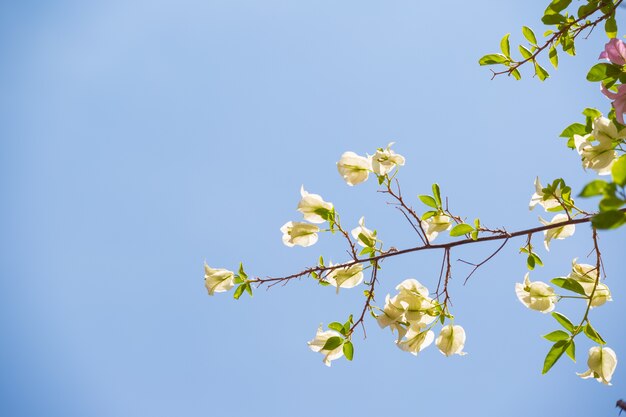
(557, 35)
(389, 254)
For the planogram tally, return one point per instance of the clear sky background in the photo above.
(141, 138)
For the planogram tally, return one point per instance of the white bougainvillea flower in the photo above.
(586, 275)
(384, 160)
(301, 234)
(451, 340)
(605, 131)
(317, 344)
(364, 236)
(537, 198)
(536, 295)
(557, 232)
(313, 207)
(393, 311)
(419, 307)
(583, 272)
(602, 362)
(354, 168)
(598, 156)
(435, 224)
(416, 340)
(346, 277)
(217, 279)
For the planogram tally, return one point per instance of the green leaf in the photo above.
(474, 235)
(594, 188)
(569, 284)
(573, 129)
(553, 18)
(248, 288)
(541, 72)
(242, 274)
(618, 172)
(366, 250)
(586, 9)
(348, 324)
(461, 229)
(437, 193)
(609, 203)
(348, 350)
(608, 219)
(553, 355)
(603, 71)
(525, 52)
(529, 35)
(556, 335)
(367, 240)
(515, 73)
(239, 291)
(592, 113)
(335, 325)
(428, 215)
(530, 262)
(323, 283)
(321, 260)
(591, 333)
(538, 260)
(570, 349)
(428, 200)
(610, 27)
(557, 6)
(492, 59)
(554, 57)
(563, 321)
(332, 343)
(505, 46)
(381, 179)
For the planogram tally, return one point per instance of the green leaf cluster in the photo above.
(432, 201)
(613, 197)
(336, 341)
(532, 259)
(242, 278)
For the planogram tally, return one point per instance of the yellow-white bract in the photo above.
(451, 340)
(364, 236)
(217, 279)
(346, 277)
(384, 160)
(536, 295)
(537, 198)
(435, 224)
(602, 362)
(416, 339)
(411, 308)
(557, 232)
(586, 275)
(317, 344)
(354, 168)
(313, 207)
(297, 233)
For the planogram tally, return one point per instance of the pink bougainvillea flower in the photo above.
(619, 101)
(614, 51)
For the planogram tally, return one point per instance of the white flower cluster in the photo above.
(597, 149)
(410, 313)
(584, 278)
(314, 210)
(356, 169)
(550, 204)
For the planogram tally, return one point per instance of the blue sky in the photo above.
(141, 138)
